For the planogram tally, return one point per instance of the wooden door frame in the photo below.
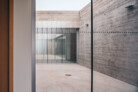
(11, 45)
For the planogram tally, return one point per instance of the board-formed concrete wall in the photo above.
(116, 39)
(84, 37)
(58, 19)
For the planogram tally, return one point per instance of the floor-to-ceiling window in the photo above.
(63, 46)
(56, 45)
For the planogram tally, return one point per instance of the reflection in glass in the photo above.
(55, 45)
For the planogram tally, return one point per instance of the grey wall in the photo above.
(84, 37)
(58, 19)
(22, 45)
(116, 39)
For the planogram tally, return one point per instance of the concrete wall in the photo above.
(58, 19)
(22, 45)
(116, 39)
(84, 37)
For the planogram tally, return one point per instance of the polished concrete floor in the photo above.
(76, 78)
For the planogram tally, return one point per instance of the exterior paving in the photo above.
(56, 78)
(76, 78)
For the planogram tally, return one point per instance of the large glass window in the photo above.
(55, 45)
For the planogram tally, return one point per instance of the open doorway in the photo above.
(63, 46)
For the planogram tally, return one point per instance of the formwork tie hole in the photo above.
(68, 75)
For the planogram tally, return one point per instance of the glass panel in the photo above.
(55, 45)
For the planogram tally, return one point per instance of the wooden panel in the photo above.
(4, 45)
(11, 47)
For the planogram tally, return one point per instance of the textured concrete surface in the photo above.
(52, 78)
(58, 19)
(84, 37)
(116, 39)
(104, 83)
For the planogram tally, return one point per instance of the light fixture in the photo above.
(87, 25)
(130, 7)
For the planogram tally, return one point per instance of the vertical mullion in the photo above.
(39, 54)
(76, 47)
(47, 45)
(36, 45)
(42, 43)
(51, 45)
(51, 42)
(91, 45)
(70, 45)
(55, 45)
(65, 45)
(62, 45)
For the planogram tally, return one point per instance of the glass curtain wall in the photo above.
(55, 45)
